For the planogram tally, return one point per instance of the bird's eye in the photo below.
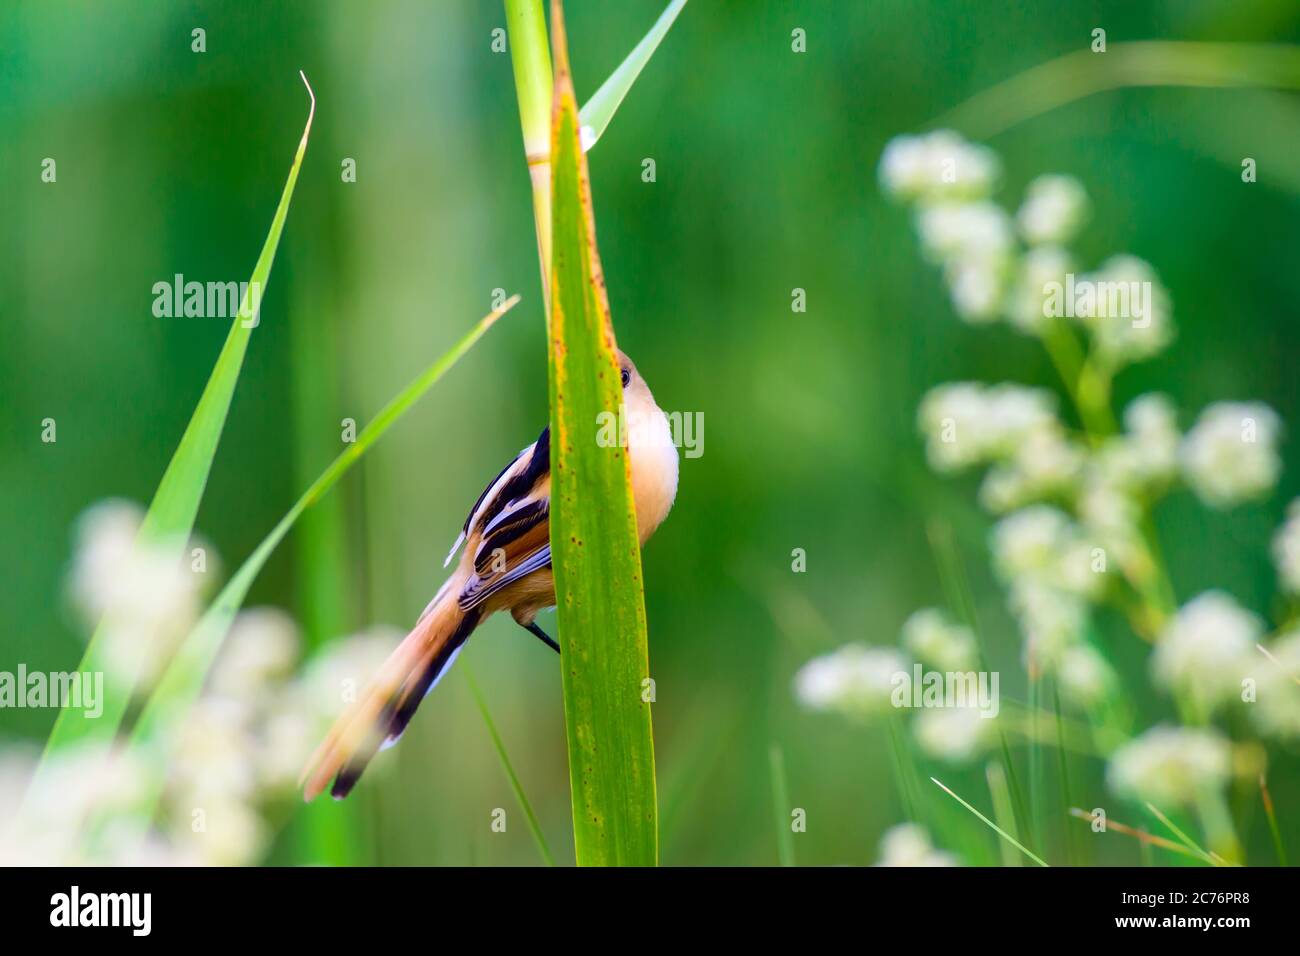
(627, 377)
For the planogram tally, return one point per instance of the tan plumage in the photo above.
(506, 565)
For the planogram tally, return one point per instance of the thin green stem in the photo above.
(533, 825)
(1178, 832)
(902, 769)
(996, 829)
(1269, 812)
(1002, 810)
(781, 806)
(530, 54)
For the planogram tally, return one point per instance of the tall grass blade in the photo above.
(530, 55)
(781, 806)
(170, 518)
(184, 677)
(1006, 817)
(594, 544)
(957, 591)
(1269, 812)
(996, 829)
(1186, 840)
(604, 103)
(533, 825)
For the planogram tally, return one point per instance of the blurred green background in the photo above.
(171, 161)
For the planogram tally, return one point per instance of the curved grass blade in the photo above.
(996, 829)
(1077, 75)
(533, 825)
(184, 677)
(596, 553)
(170, 518)
(604, 103)
(1144, 838)
(1187, 841)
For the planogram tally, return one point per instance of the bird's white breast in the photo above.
(654, 470)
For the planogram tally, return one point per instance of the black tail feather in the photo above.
(395, 720)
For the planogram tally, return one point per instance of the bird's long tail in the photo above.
(378, 717)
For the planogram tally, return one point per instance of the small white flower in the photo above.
(213, 750)
(909, 845)
(1028, 543)
(1152, 425)
(1286, 549)
(1276, 710)
(855, 680)
(76, 784)
(953, 734)
(930, 637)
(1170, 766)
(1013, 413)
(1230, 455)
(147, 595)
(286, 742)
(975, 230)
(975, 287)
(966, 423)
(1205, 650)
(1053, 209)
(1110, 516)
(232, 832)
(1044, 464)
(1124, 287)
(339, 674)
(1050, 619)
(952, 419)
(1084, 676)
(1039, 267)
(262, 647)
(937, 165)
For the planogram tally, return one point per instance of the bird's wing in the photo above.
(509, 526)
(506, 473)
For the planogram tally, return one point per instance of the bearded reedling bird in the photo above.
(506, 565)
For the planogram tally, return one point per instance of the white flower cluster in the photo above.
(938, 166)
(146, 594)
(908, 844)
(1206, 650)
(930, 637)
(234, 756)
(1230, 455)
(1126, 311)
(858, 681)
(1171, 766)
(1286, 550)
(1075, 507)
(1277, 707)
(1053, 571)
(854, 681)
(1054, 209)
(954, 734)
(1020, 269)
(244, 742)
(87, 783)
